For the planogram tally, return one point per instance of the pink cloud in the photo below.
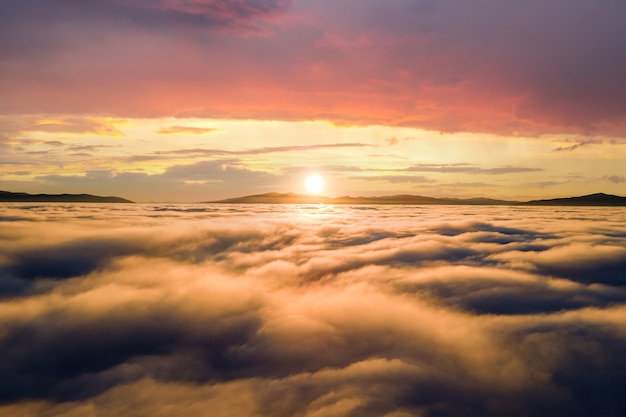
(513, 68)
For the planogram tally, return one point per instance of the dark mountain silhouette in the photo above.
(599, 199)
(9, 197)
(291, 198)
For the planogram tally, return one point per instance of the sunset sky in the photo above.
(196, 100)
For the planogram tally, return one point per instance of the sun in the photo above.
(314, 184)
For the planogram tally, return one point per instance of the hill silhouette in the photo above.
(598, 199)
(291, 198)
(9, 197)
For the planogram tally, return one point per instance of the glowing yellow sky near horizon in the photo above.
(86, 155)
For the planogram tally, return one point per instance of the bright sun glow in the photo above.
(314, 184)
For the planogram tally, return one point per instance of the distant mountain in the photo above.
(598, 199)
(8, 197)
(291, 198)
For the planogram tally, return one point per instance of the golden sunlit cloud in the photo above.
(187, 130)
(177, 309)
(76, 126)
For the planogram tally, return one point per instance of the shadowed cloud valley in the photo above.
(311, 310)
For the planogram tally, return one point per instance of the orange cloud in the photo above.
(447, 67)
(74, 125)
(187, 130)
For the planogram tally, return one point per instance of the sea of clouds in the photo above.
(263, 310)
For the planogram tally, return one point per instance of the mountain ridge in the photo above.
(597, 199)
(11, 197)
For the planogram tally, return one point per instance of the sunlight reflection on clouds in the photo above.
(264, 310)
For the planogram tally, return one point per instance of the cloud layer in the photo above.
(528, 67)
(311, 311)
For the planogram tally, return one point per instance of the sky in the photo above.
(311, 311)
(196, 100)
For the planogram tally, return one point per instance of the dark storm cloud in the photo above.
(311, 310)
